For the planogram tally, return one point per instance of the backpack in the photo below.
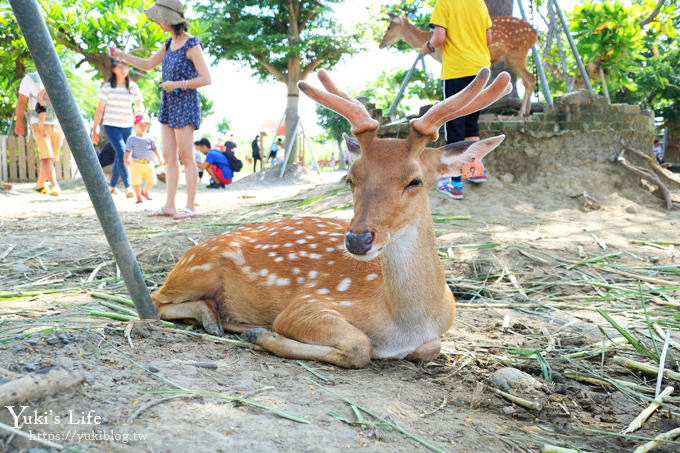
(234, 162)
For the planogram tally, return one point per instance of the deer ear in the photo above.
(392, 16)
(454, 155)
(352, 146)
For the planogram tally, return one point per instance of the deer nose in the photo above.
(359, 244)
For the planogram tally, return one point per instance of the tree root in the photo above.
(653, 176)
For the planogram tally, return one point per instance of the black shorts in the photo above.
(465, 126)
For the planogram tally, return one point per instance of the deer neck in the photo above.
(414, 36)
(412, 272)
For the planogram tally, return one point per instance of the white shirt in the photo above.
(119, 100)
(31, 90)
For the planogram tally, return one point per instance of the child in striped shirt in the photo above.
(139, 152)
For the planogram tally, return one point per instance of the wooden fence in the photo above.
(19, 160)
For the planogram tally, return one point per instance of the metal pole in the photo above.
(604, 85)
(309, 146)
(403, 85)
(558, 37)
(29, 17)
(537, 62)
(290, 147)
(574, 50)
(274, 136)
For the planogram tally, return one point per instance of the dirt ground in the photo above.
(529, 265)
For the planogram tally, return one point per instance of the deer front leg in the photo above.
(426, 352)
(326, 338)
(199, 310)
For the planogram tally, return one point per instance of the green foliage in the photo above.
(224, 126)
(607, 34)
(272, 40)
(207, 105)
(640, 63)
(384, 88)
(332, 123)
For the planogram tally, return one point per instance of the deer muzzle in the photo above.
(359, 244)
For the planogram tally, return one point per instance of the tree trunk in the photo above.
(294, 75)
(341, 153)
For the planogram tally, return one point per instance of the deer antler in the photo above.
(471, 99)
(340, 102)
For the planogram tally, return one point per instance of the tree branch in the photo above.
(310, 16)
(281, 77)
(311, 67)
(648, 176)
(654, 13)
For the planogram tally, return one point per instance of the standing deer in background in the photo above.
(335, 291)
(511, 40)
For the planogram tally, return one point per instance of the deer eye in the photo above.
(416, 182)
(350, 182)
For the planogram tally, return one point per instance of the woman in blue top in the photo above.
(184, 70)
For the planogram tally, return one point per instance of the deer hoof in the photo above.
(211, 326)
(252, 335)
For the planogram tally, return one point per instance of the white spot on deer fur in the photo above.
(312, 274)
(322, 232)
(330, 263)
(314, 256)
(298, 231)
(288, 244)
(235, 255)
(296, 270)
(190, 258)
(313, 246)
(329, 249)
(258, 246)
(263, 272)
(282, 281)
(344, 284)
(266, 246)
(346, 303)
(323, 291)
(301, 241)
(292, 256)
(271, 254)
(336, 234)
(299, 279)
(333, 239)
(246, 269)
(371, 276)
(303, 253)
(235, 244)
(278, 259)
(310, 237)
(202, 267)
(212, 249)
(311, 285)
(271, 279)
(274, 233)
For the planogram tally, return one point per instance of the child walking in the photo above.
(139, 152)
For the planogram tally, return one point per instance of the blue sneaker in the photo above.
(478, 179)
(454, 191)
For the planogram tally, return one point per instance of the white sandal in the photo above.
(184, 213)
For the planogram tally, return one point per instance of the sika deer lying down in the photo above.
(323, 289)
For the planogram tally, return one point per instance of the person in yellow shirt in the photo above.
(463, 29)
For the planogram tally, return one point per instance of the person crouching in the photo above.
(139, 152)
(216, 164)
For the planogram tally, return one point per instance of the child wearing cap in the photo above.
(139, 152)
